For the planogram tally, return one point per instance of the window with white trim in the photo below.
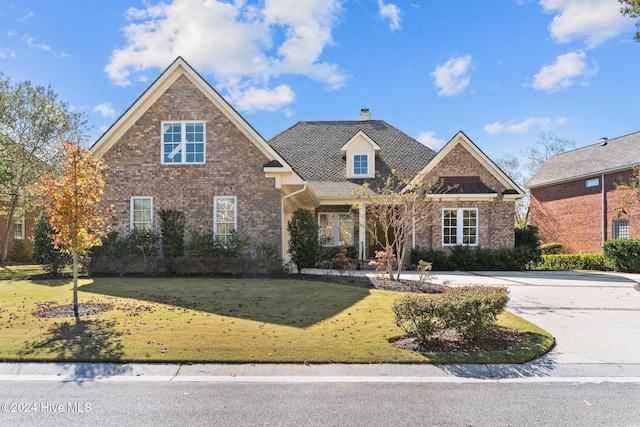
(142, 213)
(621, 229)
(593, 182)
(336, 229)
(18, 229)
(361, 164)
(225, 217)
(183, 142)
(460, 227)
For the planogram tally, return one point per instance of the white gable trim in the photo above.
(360, 134)
(178, 68)
(461, 139)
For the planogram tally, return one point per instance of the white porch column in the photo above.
(362, 232)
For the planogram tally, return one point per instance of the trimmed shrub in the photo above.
(266, 251)
(172, 231)
(472, 311)
(304, 246)
(623, 254)
(467, 258)
(527, 245)
(438, 259)
(596, 262)
(44, 251)
(21, 252)
(550, 248)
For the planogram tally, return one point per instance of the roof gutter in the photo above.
(579, 177)
(604, 213)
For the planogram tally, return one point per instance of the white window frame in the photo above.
(183, 142)
(335, 219)
(353, 164)
(460, 227)
(132, 223)
(617, 223)
(20, 223)
(224, 236)
(592, 182)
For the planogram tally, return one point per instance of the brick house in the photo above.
(574, 200)
(21, 230)
(182, 146)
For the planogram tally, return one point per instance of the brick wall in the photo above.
(496, 219)
(234, 167)
(572, 214)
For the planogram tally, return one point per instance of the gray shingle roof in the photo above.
(617, 154)
(312, 148)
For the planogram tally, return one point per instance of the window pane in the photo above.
(225, 217)
(182, 141)
(621, 229)
(141, 216)
(325, 221)
(345, 232)
(449, 227)
(360, 164)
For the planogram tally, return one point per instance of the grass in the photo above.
(218, 320)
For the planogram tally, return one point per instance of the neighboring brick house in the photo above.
(182, 146)
(574, 200)
(21, 229)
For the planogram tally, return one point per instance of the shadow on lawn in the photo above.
(284, 302)
(82, 341)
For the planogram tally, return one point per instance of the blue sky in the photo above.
(502, 71)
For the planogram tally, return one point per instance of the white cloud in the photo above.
(254, 99)
(451, 78)
(105, 109)
(523, 126)
(594, 20)
(391, 12)
(563, 73)
(428, 138)
(29, 41)
(278, 37)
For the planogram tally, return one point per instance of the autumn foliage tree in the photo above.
(71, 203)
(395, 207)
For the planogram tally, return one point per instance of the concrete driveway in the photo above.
(594, 317)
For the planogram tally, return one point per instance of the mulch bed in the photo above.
(49, 309)
(500, 339)
(376, 283)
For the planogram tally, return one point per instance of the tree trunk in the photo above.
(11, 210)
(74, 254)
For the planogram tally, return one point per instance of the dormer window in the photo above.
(360, 153)
(361, 164)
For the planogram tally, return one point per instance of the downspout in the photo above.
(604, 213)
(282, 231)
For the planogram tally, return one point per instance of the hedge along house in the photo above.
(182, 146)
(337, 157)
(574, 200)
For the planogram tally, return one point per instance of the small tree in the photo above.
(172, 230)
(71, 204)
(304, 243)
(395, 208)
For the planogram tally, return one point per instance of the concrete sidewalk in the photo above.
(538, 371)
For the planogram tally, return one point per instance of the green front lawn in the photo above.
(217, 320)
